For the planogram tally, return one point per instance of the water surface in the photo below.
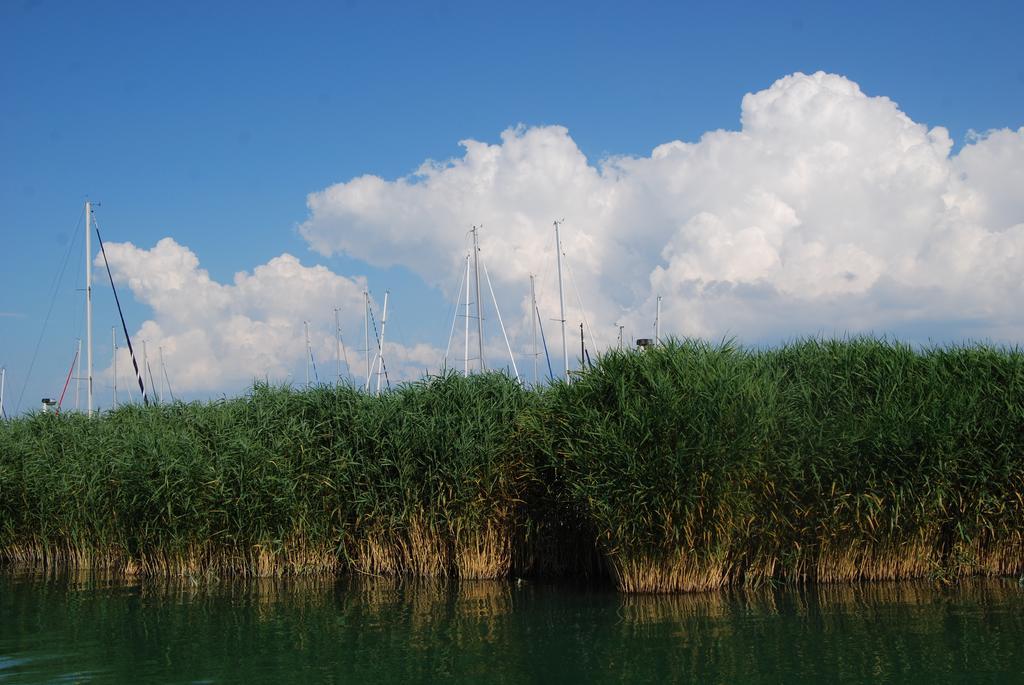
(89, 629)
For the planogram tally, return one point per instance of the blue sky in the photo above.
(213, 125)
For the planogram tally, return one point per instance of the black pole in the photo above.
(117, 301)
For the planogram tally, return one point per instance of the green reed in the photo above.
(687, 466)
(423, 480)
(703, 466)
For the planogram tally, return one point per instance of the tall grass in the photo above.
(689, 466)
(425, 480)
(703, 466)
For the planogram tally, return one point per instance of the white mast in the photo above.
(465, 367)
(380, 351)
(337, 336)
(657, 323)
(88, 305)
(561, 299)
(366, 333)
(479, 300)
(533, 319)
(308, 353)
(3, 377)
(113, 341)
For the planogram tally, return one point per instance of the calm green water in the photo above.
(91, 630)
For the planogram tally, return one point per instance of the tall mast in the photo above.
(561, 299)
(113, 344)
(337, 341)
(465, 366)
(383, 325)
(88, 306)
(366, 332)
(533, 319)
(657, 323)
(306, 325)
(479, 300)
(3, 377)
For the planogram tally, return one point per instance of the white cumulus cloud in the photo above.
(828, 211)
(216, 336)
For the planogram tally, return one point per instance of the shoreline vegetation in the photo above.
(689, 466)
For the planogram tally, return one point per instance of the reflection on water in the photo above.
(88, 628)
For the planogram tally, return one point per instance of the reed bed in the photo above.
(425, 480)
(703, 466)
(689, 466)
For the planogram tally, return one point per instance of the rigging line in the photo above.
(455, 317)
(316, 376)
(380, 351)
(583, 311)
(128, 338)
(66, 381)
(168, 379)
(497, 311)
(152, 384)
(54, 287)
(344, 352)
(540, 324)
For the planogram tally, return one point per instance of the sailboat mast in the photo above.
(465, 363)
(88, 306)
(561, 300)
(533, 319)
(3, 378)
(479, 300)
(306, 325)
(366, 332)
(657, 323)
(337, 341)
(383, 325)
